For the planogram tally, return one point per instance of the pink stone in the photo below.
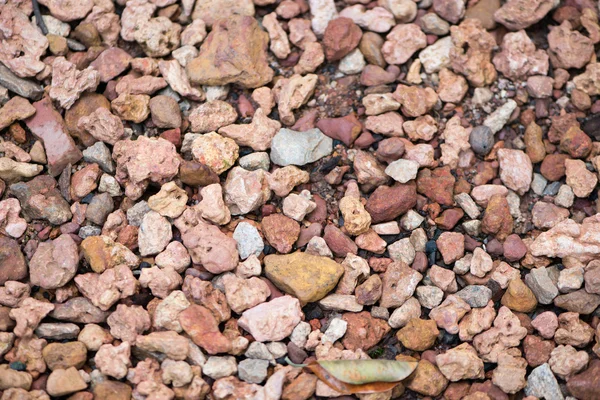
(48, 126)
(272, 321)
(546, 324)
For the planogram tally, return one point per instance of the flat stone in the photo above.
(48, 126)
(289, 147)
(272, 321)
(23, 87)
(307, 277)
(541, 285)
(233, 52)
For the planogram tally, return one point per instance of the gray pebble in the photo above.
(101, 205)
(475, 295)
(552, 189)
(89, 230)
(252, 370)
(481, 140)
(99, 154)
(137, 212)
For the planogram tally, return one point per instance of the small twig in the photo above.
(38, 17)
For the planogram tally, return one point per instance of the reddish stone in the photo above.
(374, 75)
(380, 264)
(487, 387)
(437, 185)
(345, 129)
(339, 243)
(586, 385)
(457, 390)
(560, 125)
(364, 141)
(390, 149)
(203, 328)
(494, 248)
(111, 63)
(245, 107)
(48, 125)
(173, 136)
(537, 351)
(420, 262)
(12, 261)
(576, 143)
(307, 233)
(84, 106)
(514, 248)
(341, 36)
(449, 218)
(319, 214)
(497, 219)
(306, 121)
(553, 167)
(281, 232)
(387, 203)
(363, 331)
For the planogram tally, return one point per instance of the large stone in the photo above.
(585, 385)
(541, 285)
(211, 11)
(460, 363)
(22, 43)
(542, 384)
(102, 253)
(64, 381)
(568, 239)
(54, 263)
(210, 247)
(305, 276)
(518, 297)
(419, 334)
(200, 324)
(387, 203)
(41, 199)
(233, 52)
(363, 330)
(48, 125)
(289, 147)
(272, 321)
(426, 379)
(516, 170)
(520, 14)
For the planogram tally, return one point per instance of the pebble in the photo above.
(307, 277)
(516, 170)
(519, 297)
(64, 381)
(248, 240)
(154, 234)
(220, 367)
(273, 320)
(475, 295)
(418, 334)
(540, 283)
(289, 147)
(336, 330)
(541, 383)
(500, 117)
(460, 363)
(402, 170)
(481, 140)
(253, 371)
